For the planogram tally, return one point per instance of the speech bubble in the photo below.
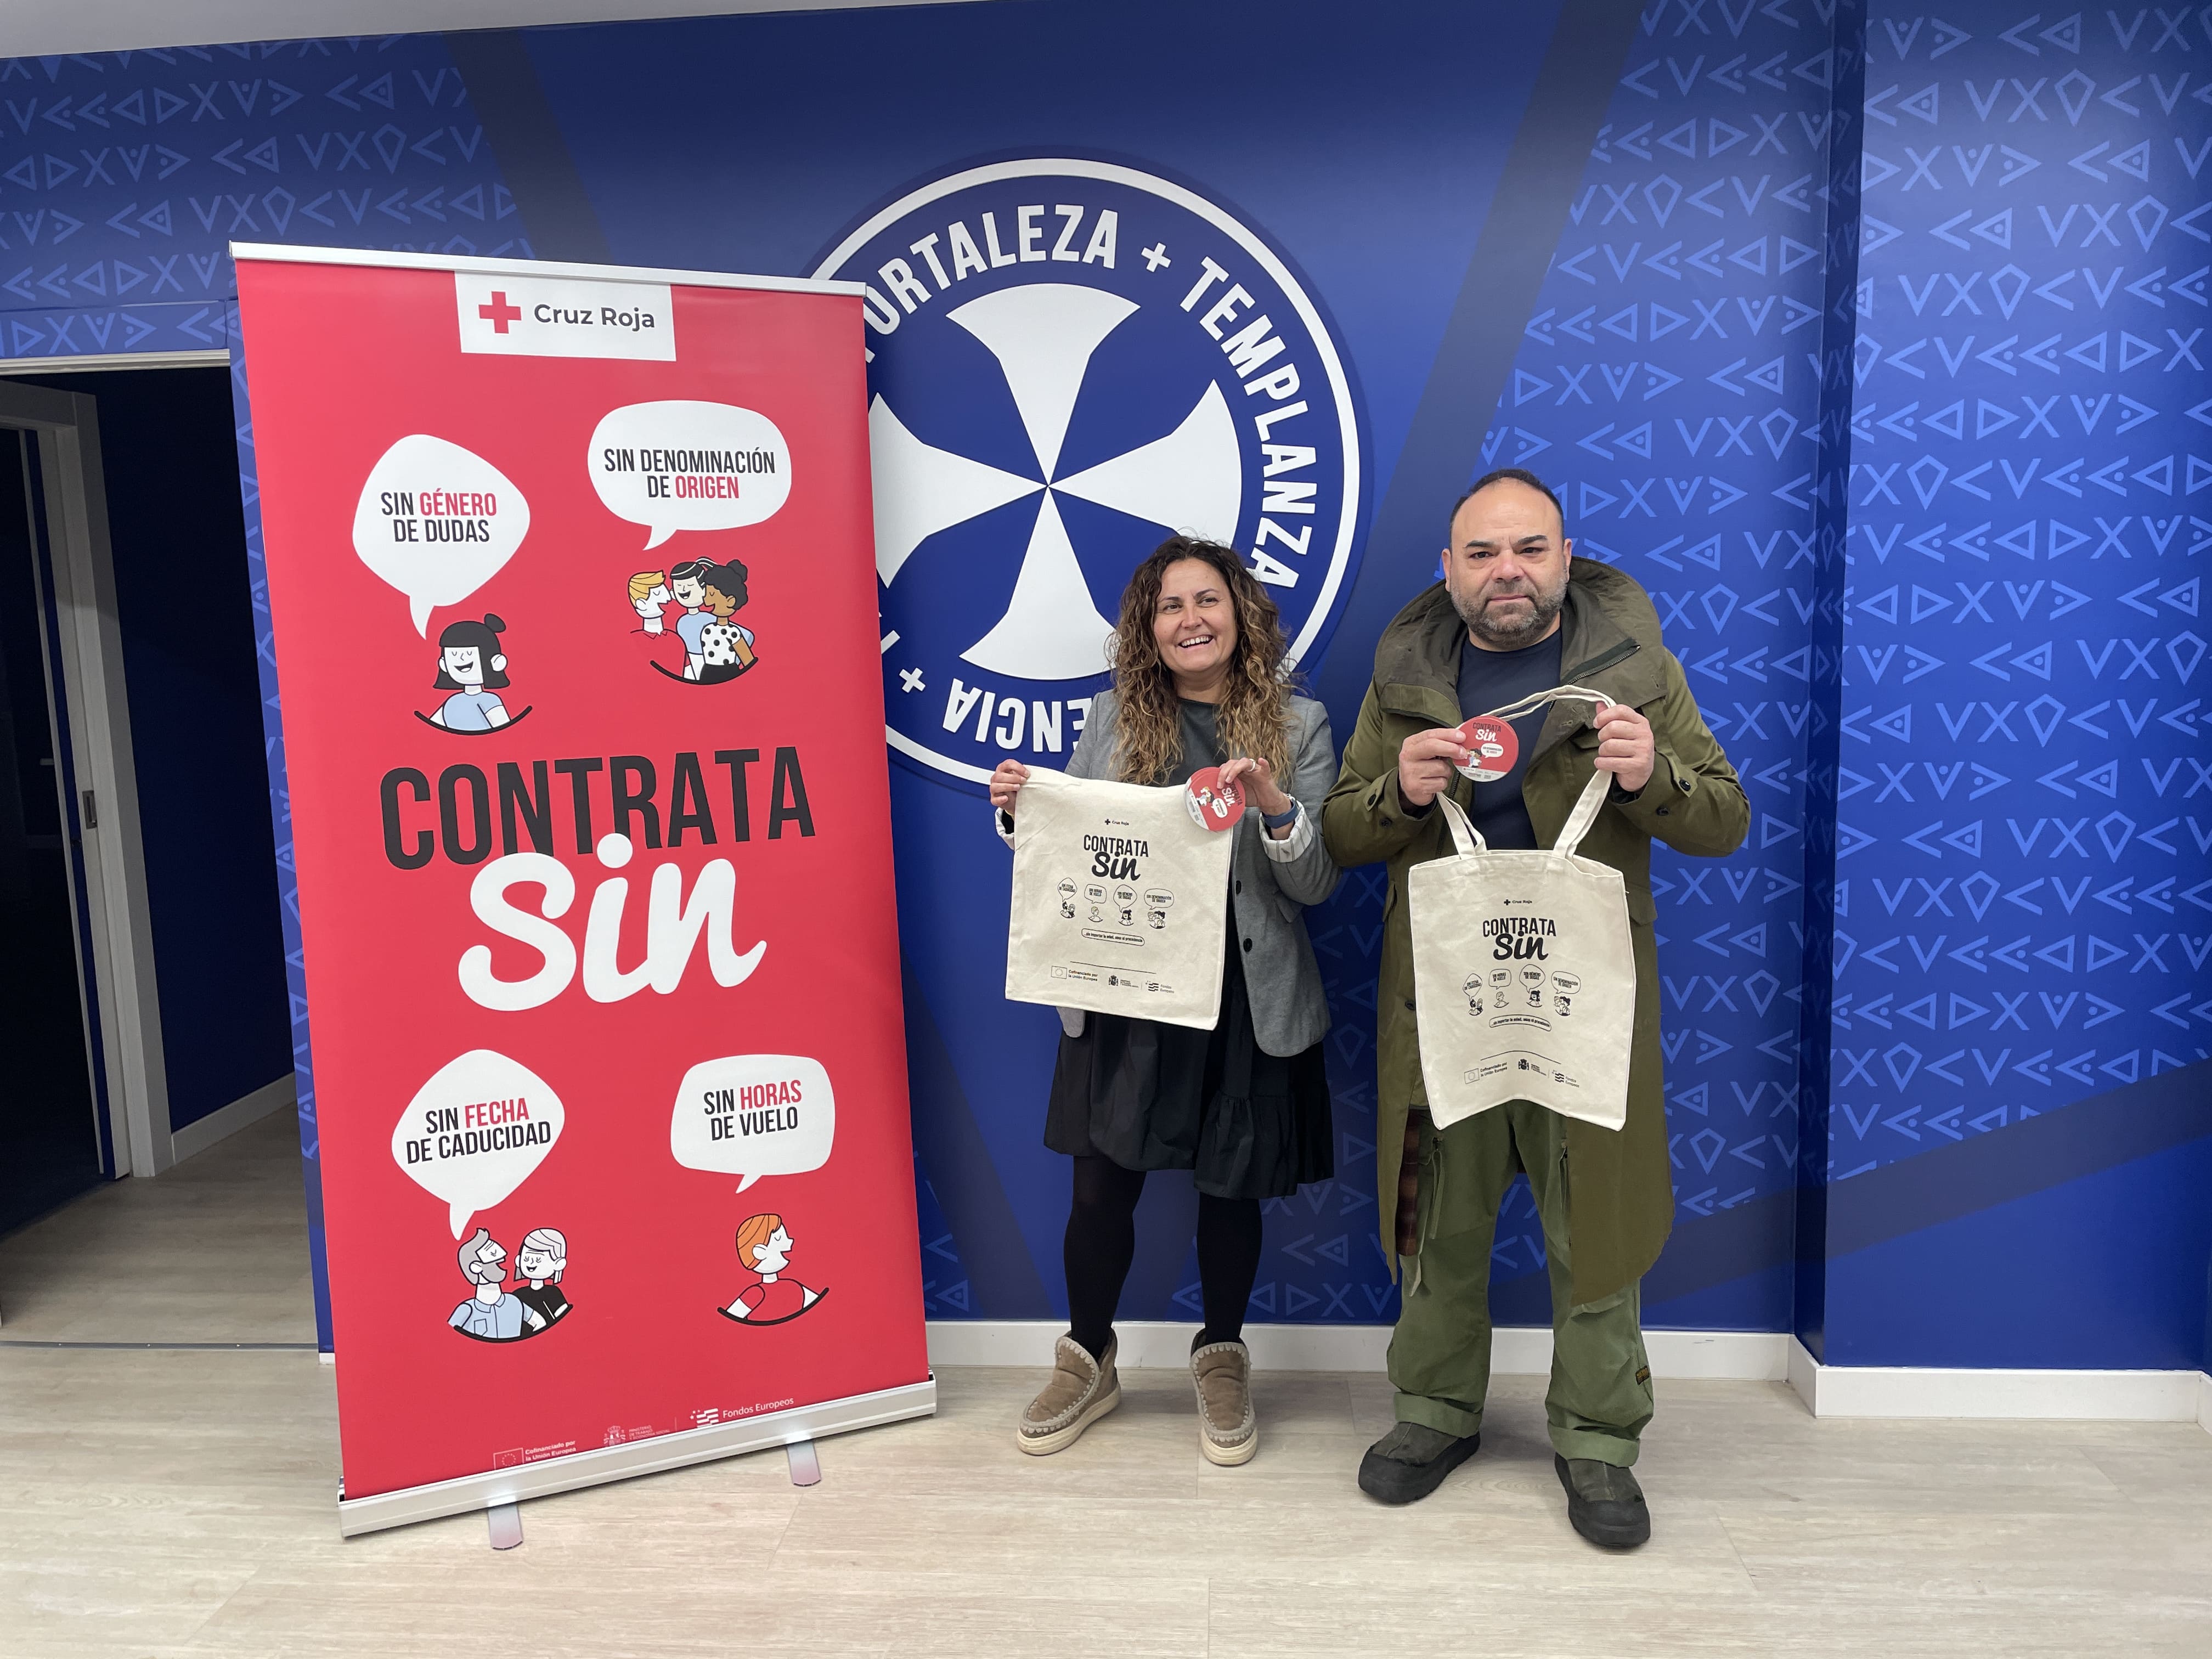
(476, 1130)
(754, 1115)
(437, 521)
(681, 464)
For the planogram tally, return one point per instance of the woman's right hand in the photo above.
(1005, 783)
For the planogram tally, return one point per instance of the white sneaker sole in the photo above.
(1043, 1445)
(1229, 1457)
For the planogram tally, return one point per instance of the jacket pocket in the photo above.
(1642, 907)
(1452, 1197)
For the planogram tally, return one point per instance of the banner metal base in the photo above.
(805, 1467)
(505, 1523)
(470, 1492)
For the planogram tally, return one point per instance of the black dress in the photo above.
(1246, 1123)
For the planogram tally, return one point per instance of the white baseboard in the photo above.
(1940, 1392)
(1516, 1349)
(197, 1137)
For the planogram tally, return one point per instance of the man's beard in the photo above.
(1543, 607)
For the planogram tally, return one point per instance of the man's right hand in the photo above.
(1006, 783)
(1425, 763)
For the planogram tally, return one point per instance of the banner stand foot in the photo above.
(805, 1466)
(506, 1523)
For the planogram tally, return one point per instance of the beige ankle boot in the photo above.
(1228, 1433)
(1082, 1390)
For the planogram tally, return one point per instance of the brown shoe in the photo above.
(1082, 1390)
(1228, 1433)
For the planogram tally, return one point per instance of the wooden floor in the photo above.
(214, 1251)
(168, 1503)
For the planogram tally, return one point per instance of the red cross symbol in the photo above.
(499, 313)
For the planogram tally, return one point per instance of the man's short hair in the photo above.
(475, 1271)
(1519, 475)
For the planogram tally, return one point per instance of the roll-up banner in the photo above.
(573, 590)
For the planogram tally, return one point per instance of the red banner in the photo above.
(574, 598)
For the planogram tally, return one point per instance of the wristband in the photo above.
(1277, 820)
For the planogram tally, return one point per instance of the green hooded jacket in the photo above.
(1621, 1193)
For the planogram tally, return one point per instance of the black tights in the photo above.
(1102, 1240)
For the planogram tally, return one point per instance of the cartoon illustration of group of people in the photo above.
(704, 646)
(713, 647)
(492, 1312)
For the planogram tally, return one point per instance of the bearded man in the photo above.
(1517, 614)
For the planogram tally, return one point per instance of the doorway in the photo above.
(134, 795)
(51, 1092)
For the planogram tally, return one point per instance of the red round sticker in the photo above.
(1493, 747)
(1212, 803)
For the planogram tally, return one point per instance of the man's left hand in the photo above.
(1625, 747)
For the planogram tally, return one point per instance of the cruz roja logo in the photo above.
(1069, 360)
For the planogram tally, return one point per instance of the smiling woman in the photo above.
(1199, 681)
(1197, 628)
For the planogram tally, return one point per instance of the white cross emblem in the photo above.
(1043, 335)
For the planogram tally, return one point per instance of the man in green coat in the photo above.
(1516, 613)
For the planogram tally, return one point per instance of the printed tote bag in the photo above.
(1120, 900)
(1524, 981)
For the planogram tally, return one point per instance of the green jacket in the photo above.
(1622, 1195)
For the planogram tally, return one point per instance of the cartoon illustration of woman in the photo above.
(541, 1260)
(472, 667)
(764, 1247)
(688, 587)
(715, 648)
(726, 648)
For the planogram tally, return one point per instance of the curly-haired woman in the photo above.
(1198, 680)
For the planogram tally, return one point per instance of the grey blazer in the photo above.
(1288, 1013)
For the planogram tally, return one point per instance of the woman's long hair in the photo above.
(1254, 715)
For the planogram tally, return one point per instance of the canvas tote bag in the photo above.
(1120, 900)
(1524, 978)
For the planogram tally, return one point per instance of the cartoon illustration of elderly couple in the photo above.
(714, 648)
(494, 1314)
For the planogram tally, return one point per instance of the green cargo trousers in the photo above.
(1600, 1397)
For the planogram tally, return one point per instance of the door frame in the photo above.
(110, 850)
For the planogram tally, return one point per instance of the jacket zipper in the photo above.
(1626, 648)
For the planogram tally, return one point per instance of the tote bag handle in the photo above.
(1469, 842)
(1468, 839)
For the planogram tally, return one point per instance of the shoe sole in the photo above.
(1043, 1445)
(1229, 1457)
(1442, 1466)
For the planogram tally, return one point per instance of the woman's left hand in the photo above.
(1261, 787)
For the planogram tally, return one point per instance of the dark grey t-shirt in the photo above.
(1201, 748)
(1492, 679)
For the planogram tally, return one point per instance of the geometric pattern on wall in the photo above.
(2024, 870)
(2023, 861)
(1662, 387)
(123, 176)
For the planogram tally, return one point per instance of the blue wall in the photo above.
(2023, 920)
(1940, 621)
